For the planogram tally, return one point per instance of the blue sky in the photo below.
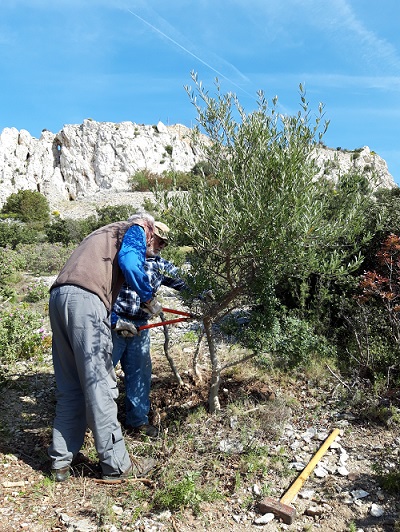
(66, 60)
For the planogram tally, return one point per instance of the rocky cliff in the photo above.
(97, 158)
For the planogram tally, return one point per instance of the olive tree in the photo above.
(263, 218)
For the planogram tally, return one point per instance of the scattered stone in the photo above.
(82, 525)
(343, 458)
(306, 494)
(331, 468)
(359, 494)
(309, 434)
(256, 490)
(313, 511)
(264, 519)
(376, 510)
(164, 515)
(320, 472)
(231, 446)
(16, 484)
(298, 466)
(342, 471)
(233, 422)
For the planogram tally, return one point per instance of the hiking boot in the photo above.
(139, 467)
(62, 474)
(147, 430)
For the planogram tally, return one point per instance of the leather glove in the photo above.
(152, 307)
(125, 328)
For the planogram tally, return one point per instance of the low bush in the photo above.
(22, 334)
(44, 259)
(37, 291)
(67, 231)
(186, 493)
(13, 233)
(11, 266)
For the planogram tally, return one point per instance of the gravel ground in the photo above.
(282, 422)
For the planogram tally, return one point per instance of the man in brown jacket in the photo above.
(80, 303)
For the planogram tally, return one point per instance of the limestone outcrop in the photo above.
(93, 157)
(99, 157)
(334, 162)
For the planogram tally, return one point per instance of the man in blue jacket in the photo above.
(132, 348)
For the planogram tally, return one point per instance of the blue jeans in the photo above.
(134, 354)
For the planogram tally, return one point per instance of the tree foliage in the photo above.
(265, 220)
(266, 217)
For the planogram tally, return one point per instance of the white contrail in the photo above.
(188, 52)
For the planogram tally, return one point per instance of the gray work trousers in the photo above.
(86, 385)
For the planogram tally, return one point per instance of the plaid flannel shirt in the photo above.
(160, 272)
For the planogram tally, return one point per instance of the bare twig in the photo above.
(145, 481)
(240, 361)
(338, 378)
(174, 526)
(166, 352)
(195, 366)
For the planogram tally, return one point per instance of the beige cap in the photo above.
(161, 230)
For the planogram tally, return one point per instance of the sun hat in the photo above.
(161, 230)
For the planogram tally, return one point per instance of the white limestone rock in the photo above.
(83, 160)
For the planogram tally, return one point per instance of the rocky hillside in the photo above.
(97, 158)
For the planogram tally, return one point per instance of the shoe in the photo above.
(147, 430)
(62, 474)
(139, 467)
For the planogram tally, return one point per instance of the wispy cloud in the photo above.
(370, 46)
(215, 63)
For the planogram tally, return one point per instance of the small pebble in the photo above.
(376, 510)
(264, 519)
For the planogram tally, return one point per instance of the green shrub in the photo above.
(186, 493)
(22, 334)
(177, 255)
(11, 264)
(66, 231)
(202, 169)
(297, 343)
(44, 259)
(37, 291)
(288, 341)
(143, 180)
(27, 206)
(113, 213)
(13, 233)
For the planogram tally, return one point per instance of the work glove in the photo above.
(152, 307)
(125, 328)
